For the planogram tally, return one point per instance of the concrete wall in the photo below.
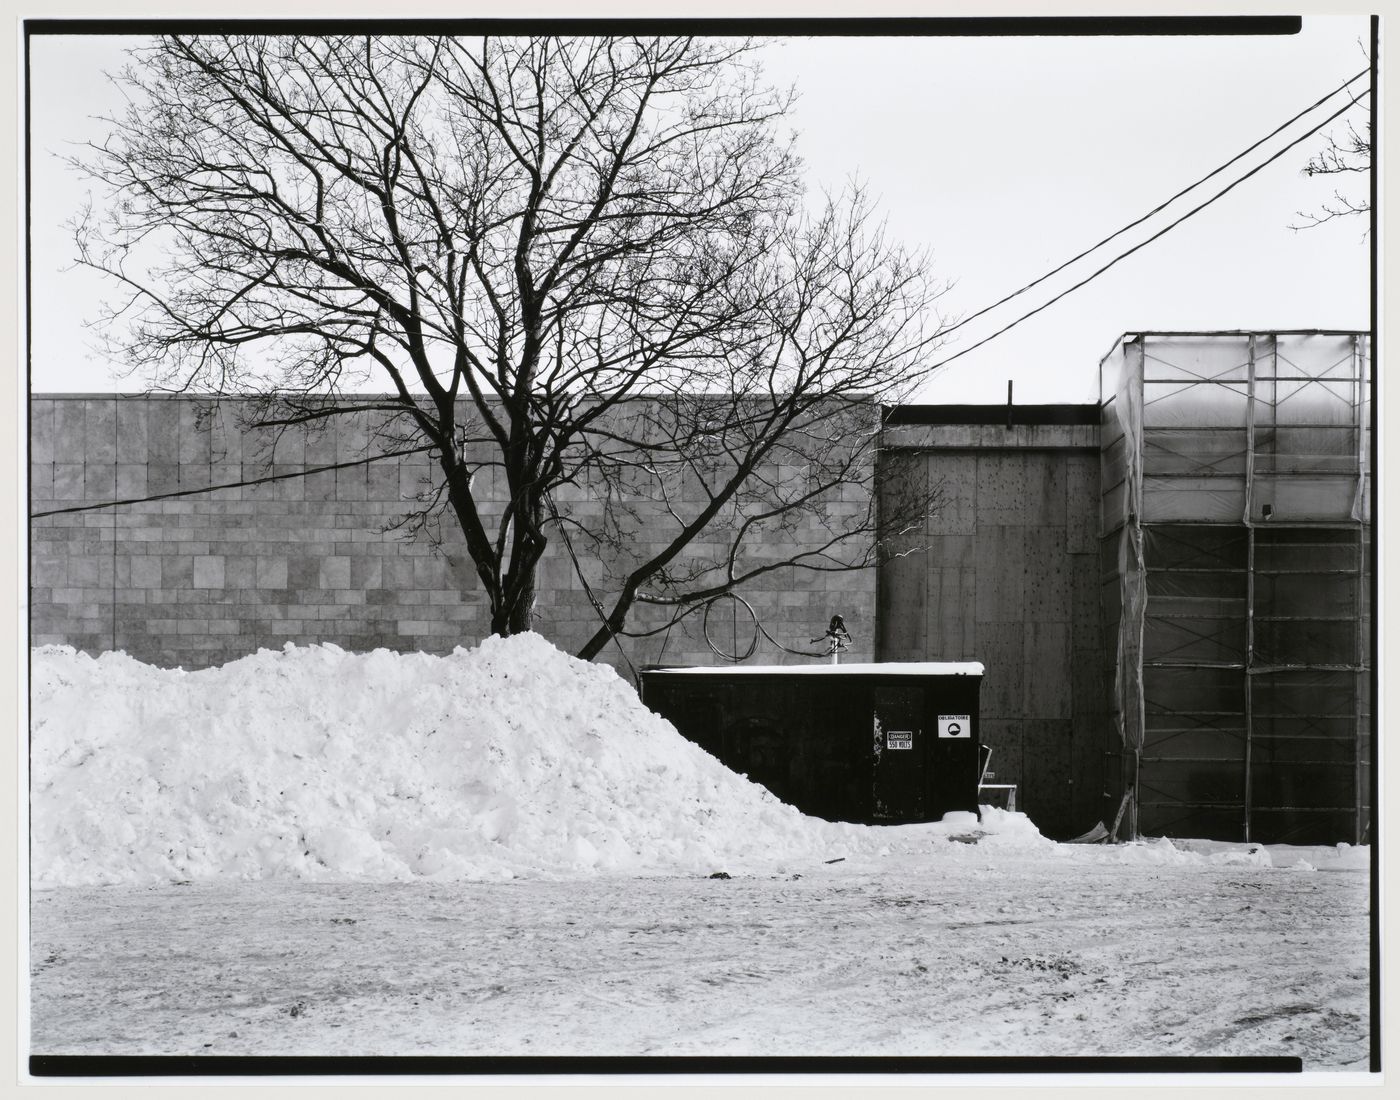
(1007, 573)
(202, 579)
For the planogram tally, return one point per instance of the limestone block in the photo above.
(240, 572)
(334, 572)
(163, 431)
(67, 481)
(132, 443)
(397, 573)
(40, 484)
(41, 430)
(366, 572)
(131, 481)
(428, 573)
(84, 571)
(273, 446)
(351, 484)
(177, 571)
(382, 482)
(209, 571)
(49, 570)
(70, 430)
(226, 425)
(320, 441)
(319, 486)
(194, 445)
(221, 474)
(145, 571)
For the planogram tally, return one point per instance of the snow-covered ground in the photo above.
(502, 852)
(988, 955)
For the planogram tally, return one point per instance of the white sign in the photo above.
(899, 739)
(955, 725)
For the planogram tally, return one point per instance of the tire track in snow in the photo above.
(1038, 958)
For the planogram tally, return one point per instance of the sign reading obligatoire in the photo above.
(955, 725)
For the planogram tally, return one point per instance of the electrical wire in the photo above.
(966, 320)
(1143, 244)
(588, 589)
(759, 629)
(1160, 206)
(232, 484)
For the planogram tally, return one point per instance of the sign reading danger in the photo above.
(899, 739)
(955, 725)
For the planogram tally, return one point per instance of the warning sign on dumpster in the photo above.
(955, 725)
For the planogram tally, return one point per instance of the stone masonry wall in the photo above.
(202, 579)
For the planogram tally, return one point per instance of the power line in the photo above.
(232, 484)
(588, 590)
(1143, 244)
(1161, 206)
(966, 320)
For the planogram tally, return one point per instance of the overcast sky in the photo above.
(1002, 156)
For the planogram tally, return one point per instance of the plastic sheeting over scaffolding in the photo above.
(1236, 542)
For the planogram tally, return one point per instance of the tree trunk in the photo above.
(520, 617)
(606, 630)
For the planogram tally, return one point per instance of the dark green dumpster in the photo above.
(869, 743)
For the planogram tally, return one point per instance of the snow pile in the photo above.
(508, 759)
(1294, 857)
(1195, 852)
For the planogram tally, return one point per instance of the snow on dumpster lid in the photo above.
(890, 668)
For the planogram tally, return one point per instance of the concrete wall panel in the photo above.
(1011, 573)
(951, 613)
(1001, 574)
(903, 596)
(953, 480)
(1047, 792)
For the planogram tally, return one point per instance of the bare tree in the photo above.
(584, 268)
(1344, 154)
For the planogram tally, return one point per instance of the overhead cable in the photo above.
(232, 484)
(1142, 244)
(1160, 206)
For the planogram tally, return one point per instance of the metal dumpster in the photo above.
(869, 743)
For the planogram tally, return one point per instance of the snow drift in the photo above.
(508, 759)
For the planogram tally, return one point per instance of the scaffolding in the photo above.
(1236, 548)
